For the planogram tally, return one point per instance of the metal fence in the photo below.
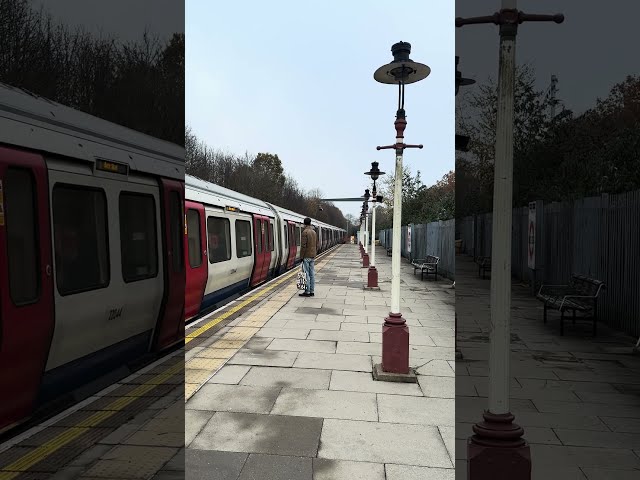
(595, 236)
(418, 241)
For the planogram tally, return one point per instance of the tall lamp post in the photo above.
(372, 276)
(497, 450)
(365, 208)
(395, 333)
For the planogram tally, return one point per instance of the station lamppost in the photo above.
(361, 242)
(395, 333)
(365, 210)
(497, 451)
(372, 276)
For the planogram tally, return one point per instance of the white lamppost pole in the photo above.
(497, 450)
(365, 213)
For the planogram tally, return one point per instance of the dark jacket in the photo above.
(309, 243)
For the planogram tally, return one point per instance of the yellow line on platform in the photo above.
(37, 455)
(40, 453)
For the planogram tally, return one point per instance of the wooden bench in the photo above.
(580, 295)
(428, 265)
(484, 266)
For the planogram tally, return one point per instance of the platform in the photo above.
(298, 400)
(276, 386)
(577, 397)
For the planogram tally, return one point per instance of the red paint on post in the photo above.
(395, 344)
(372, 278)
(497, 451)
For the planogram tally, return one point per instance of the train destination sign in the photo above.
(112, 167)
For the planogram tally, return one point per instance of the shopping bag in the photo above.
(302, 279)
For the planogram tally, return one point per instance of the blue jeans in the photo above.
(310, 270)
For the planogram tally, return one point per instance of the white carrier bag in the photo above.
(302, 278)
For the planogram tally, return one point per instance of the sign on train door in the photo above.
(26, 282)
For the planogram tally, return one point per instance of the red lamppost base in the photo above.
(372, 277)
(497, 451)
(395, 344)
(365, 260)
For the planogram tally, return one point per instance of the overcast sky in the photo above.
(296, 79)
(124, 19)
(590, 52)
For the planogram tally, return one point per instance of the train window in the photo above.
(22, 244)
(177, 236)
(270, 227)
(286, 236)
(219, 234)
(81, 238)
(138, 237)
(243, 238)
(299, 236)
(193, 238)
(258, 224)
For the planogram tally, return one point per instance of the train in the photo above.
(248, 242)
(107, 248)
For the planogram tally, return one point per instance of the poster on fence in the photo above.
(531, 235)
(409, 239)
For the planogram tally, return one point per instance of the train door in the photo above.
(26, 284)
(195, 258)
(284, 243)
(262, 253)
(170, 327)
(272, 249)
(292, 245)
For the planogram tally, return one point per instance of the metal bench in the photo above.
(428, 265)
(580, 295)
(484, 266)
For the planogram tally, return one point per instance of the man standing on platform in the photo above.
(308, 250)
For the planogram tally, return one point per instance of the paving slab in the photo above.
(230, 374)
(364, 382)
(326, 404)
(334, 361)
(438, 387)
(266, 358)
(234, 398)
(610, 474)
(255, 433)
(275, 467)
(406, 472)
(338, 335)
(438, 368)
(325, 469)
(283, 332)
(288, 377)
(415, 410)
(320, 346)
(194, 421)
(207, 464)
(386, 443)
